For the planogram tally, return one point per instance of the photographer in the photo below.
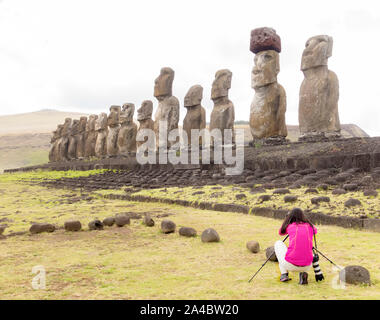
(299, 256)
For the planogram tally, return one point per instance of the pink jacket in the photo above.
(300, 251)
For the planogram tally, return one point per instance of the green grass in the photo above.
(137, 262)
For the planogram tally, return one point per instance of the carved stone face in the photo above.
(267, 66)
(194, 96)
(221, 84)
(163, 84)
(145, 111)
(113, 118)
(90, 126)
(82, 124)
(75, 127)
(101, 122)
(127, 114)
(317, 50)
(66, 127)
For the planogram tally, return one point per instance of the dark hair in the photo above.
(297, 216)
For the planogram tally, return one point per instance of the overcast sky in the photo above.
(87, 55)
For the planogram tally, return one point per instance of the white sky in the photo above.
(87, 55)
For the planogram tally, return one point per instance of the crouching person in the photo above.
(299, 256)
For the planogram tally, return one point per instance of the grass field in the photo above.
(137, 262)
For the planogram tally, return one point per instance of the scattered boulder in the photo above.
(355, 275)
(148, 221)
(109, 222)
(323, 186)
(352, 203)
(240, 196)
(311, 190)
(41, 227)
(269, 252)
(216, 194)
(281, 191)
(342, 177)
(264, 197)
(73, 225)
(370, 193)
(350, 187)
(331, 181)
(122, 220)
(317, 200)
(187, 232)
(257, 190)
(95, 225)
(167, 226)
(253, 246)
(210, 235)
(339, 191)
(366, 180)
(290, 198)
(198, 192)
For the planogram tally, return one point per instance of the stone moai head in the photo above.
(145, 111)
(221, 84)
(163, 83)
(194, 96)
(113, 117)
(66, 127)
(101, 122)
(127, 114)
(75, 127)
(90, 125)
(317, 51)
(266, 69)
(82, 124)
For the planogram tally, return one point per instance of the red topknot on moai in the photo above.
(265, 39)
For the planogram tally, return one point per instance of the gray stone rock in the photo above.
(73, 225)
(318, 200)
(352, 203)
(168, 226)
(148, 221)
(338, 191)
(109, 222)
(270, 254)
(290, 198)
(355, 275)
(41, 227)
(370, 193)
(350, 187)
(240, 196)
(210, 235)
(311, 190)
(187, 232)
(122, 220)
(95, 225)
(253, 246)
(281, 191)
(264, 197)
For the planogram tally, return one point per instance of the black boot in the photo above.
(303, 278)
(285, 277)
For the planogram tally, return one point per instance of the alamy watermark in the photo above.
(39, 281)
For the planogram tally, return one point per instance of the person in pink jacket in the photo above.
(299, 256)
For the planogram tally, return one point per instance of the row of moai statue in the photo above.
(115, 134)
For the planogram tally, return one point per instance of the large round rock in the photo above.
(109, 222)
(270, 254)
(187, 232)
(210, 235)
(73, 225)
(148, 221)
(122, 220)
(253, 246)
(41, 227)
(355, 275)
(264, 39)
(95, 225)
(167, 226)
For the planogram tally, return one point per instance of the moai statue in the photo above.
(126, 141)
(90, 136)
(223, 113)
(168, 105)
(267, 115)
(72, 150)
(64, 143)
(144, 117)
(101, 135)
(55, 142)
(113, 130)
(196, 115)
(319, 93)
(81, 137)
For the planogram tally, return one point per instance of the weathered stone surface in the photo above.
(269, 252)
(290, 198)
(73, 225)
(350, 187)
(240, 196)
(317, 200)
(109, 222)
(311, 190)
(352, 203)
(264, 197)
(80, 138)
(187, 232)
(126, 141)
(122, 220)
(64, 140)
(370, 193)
(264, 39)
(113, 122)
(148, 221)
(95, 225)
(267, 114)
(196, 115)
(253, 246)
(54, 154)
(168, 226)
(168, 107)
(223, 114)
(338, 191)
(101, 135)
(210, 235)
(319, 92)
(355, 275)
(41, 227)
(144, 117)
(72, 148)
(90, 136)
(281, 191)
